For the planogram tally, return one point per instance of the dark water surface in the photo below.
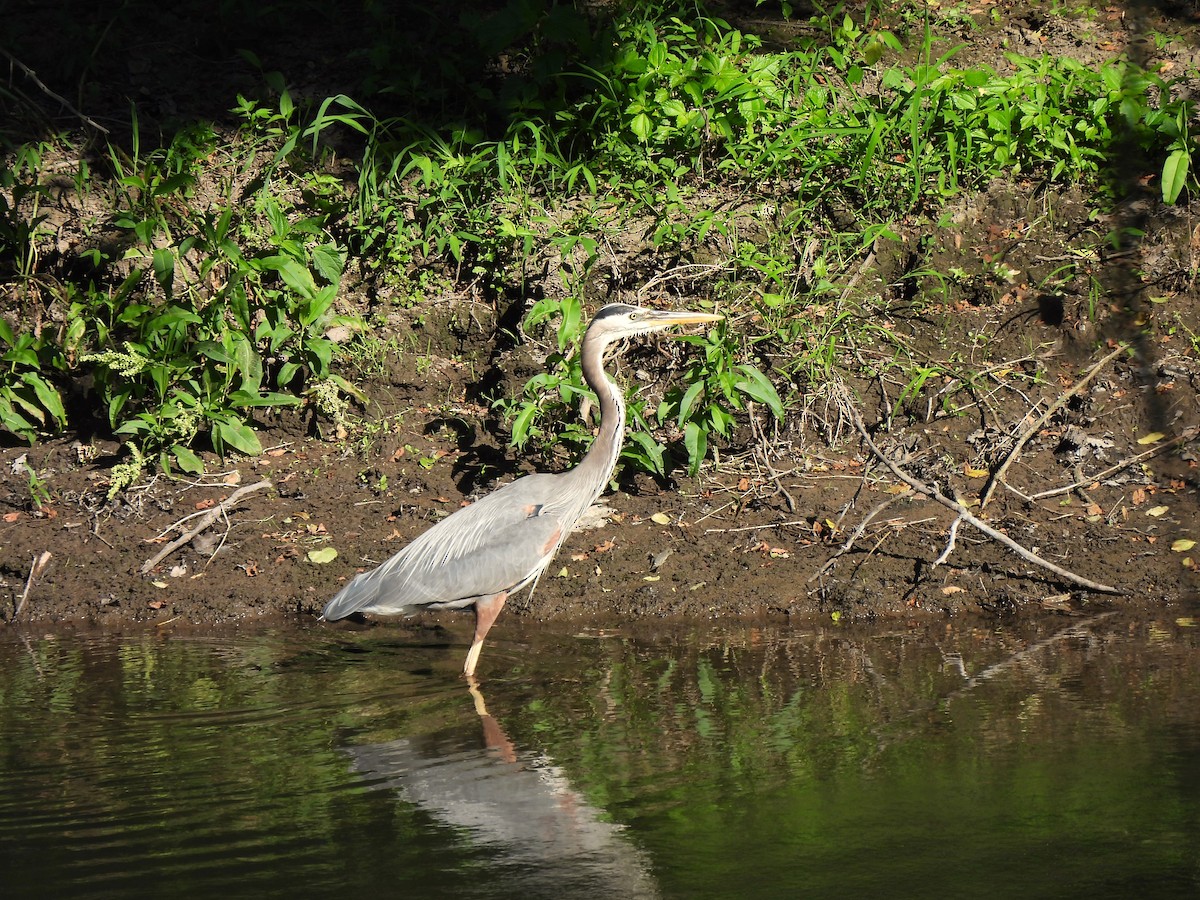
(962, 759)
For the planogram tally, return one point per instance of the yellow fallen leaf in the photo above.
(896, 489)
(322, 556)
(952, 589)
(159, 584)
(661, 519)
(1183, 545)
(1186, 622)
(1158, 511)
(976, 473)
(562, 573)
(1152, 438)
(652, 578)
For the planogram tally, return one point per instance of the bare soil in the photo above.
(752, 536)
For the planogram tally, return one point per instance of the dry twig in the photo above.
(857, 533)
(32, 76)
(1033, 429)
(210, 517)
(1116, 467)
(967, 516)
(40, 562)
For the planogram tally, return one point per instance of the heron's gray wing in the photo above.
(497, 544)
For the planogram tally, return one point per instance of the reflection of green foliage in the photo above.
(751, 750)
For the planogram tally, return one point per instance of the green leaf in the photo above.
(164, 269)
(238, 436)
(286, 373)
(249, 366)
(47, 395)
(294, 275)
(322, 555)
(642, 126)
(520, 426)
(348, 388)
(695, 441)
(758, 387)
(187, 460)
(244, 399)
(329, 262)
(689, 397)
(1174, 175)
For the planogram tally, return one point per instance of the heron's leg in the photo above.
(485, 614)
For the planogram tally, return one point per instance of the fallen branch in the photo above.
(945, 555)
(1125, 463)
(40, 562)
(967, 516)
(207, 520)
(849, 542)
(32, 76)
(1033, 429)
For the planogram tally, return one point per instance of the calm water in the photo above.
(963, 760)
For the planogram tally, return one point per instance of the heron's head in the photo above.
(619, 320)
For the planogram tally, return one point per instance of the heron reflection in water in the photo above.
(486, 551)
(547, 839)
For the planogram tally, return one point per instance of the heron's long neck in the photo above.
(597, 466)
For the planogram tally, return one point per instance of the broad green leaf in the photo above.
(758, 387)
(1174, 175)
(689, 397)
(239, 436)
(164, 269)
(244, 399)
(329, 262)
(187, 460)
(286, 373)
(520, 426)
(319, 305)
(294, 275)
(641, 126)
(50, 399)
(348, 388)
(695, 441)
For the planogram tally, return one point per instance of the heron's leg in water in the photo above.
(485, 614)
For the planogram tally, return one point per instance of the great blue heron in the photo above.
(503, 542)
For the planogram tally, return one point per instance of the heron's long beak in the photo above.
(683, 317)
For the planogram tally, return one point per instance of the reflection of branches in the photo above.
(916, 716)
(1076, 630)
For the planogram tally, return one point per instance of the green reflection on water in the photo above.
(959, 759)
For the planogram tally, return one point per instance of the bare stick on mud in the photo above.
(849, 542)
(209, 518)
(40, 562)
(965, 514)
(1116, 467)
(1033, 429)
